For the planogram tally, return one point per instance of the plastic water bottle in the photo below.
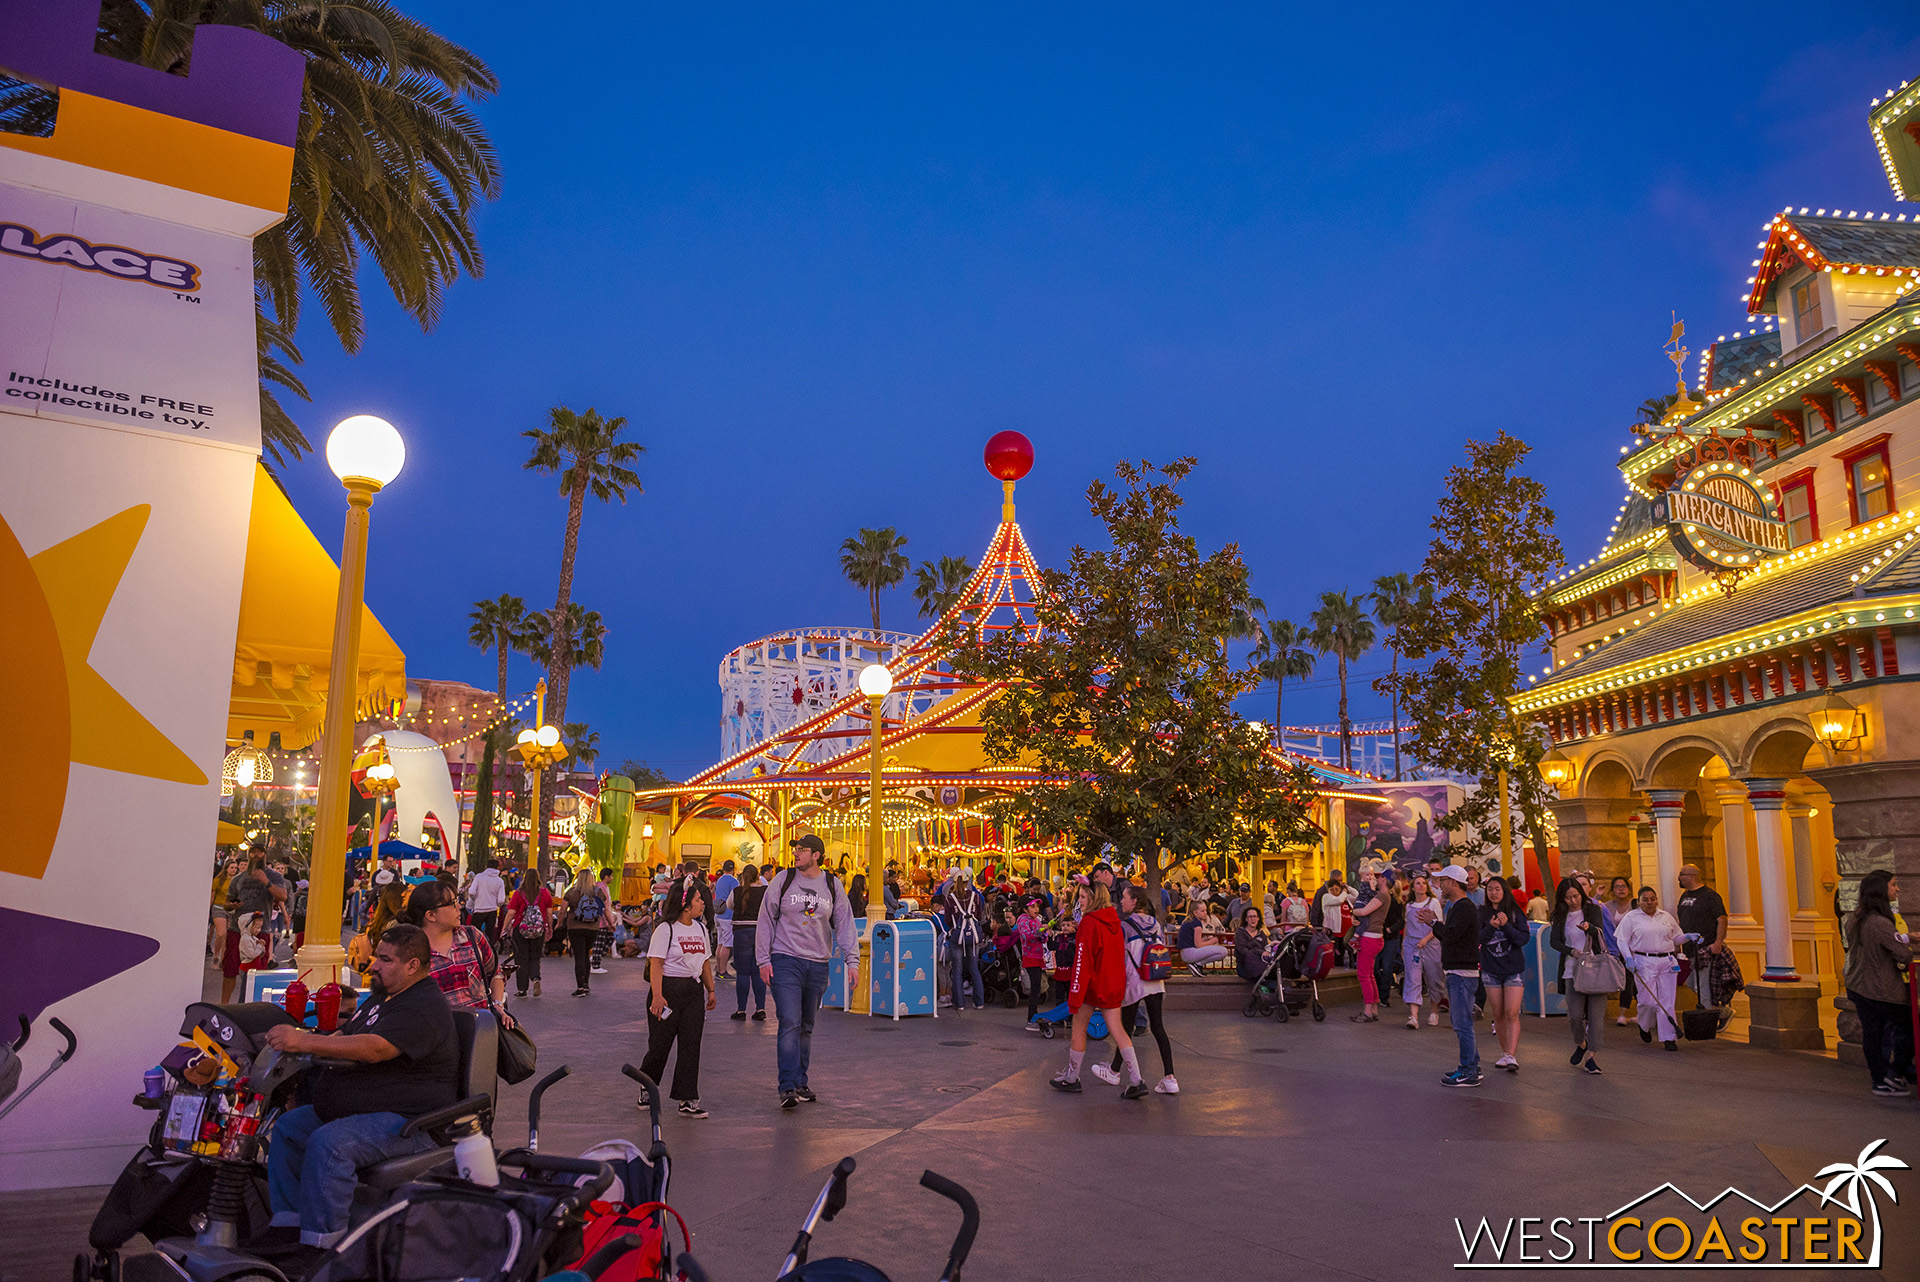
(473, 1158)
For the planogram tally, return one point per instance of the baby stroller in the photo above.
(1296, 963)
(1000, 972)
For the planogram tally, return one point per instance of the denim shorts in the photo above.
(1511, 981)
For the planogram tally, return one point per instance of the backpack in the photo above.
(533, 922)
(588, 909)
(1156, 958)
(786, 883)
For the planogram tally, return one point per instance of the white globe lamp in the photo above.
(365, 448)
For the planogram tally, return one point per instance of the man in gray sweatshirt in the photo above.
(805, 919)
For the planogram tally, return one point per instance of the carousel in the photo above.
(799, 730)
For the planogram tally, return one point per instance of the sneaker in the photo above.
(581, 992)
(760, 1015)
(1671, 1045)
(1896, 1081)
(1196, 971)
(536, 988)
(1071, 1085)
(1503, 1061)
(1592, 1066)
(1167, 1085)
(1106, 1074)
(1512, 1065)
(790, 1100)
(806, 1094)
(1458, 1078)
(520, 996)
(1888, 1090)
(1135, 1090)
(1033, 1026)
(739, 1014)
(598, 970)
(1433, 1019)
(1623, 1021)
(1579, 1053)
(1413, 1022)
(691, 1108)
(1646, 1037)
(1363, 1018)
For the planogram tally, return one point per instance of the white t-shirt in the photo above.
(683, 949)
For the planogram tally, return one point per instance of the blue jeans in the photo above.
(746, 971)
(1460, 991)
(965, 960)
(311, 1165)
(798, 985)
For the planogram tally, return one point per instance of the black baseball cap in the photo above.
(809, 842)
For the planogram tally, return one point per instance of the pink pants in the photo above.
(1369, 953)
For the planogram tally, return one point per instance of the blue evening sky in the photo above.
(818, 254)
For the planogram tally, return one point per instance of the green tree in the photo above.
(644, 776)
(1342, 629)
(938, 585)
(1393, 598)
(1493, 550)
(389, 162)
(1121, 692)
(872, 560)
(1282, 656)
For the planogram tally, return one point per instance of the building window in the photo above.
(1807, 319)
(1796, 505)
(1869, 481)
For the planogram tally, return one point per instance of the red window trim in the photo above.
(1848, 458)
(1804, 479)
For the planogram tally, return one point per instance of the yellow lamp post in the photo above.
(539, 747)
(876, 683)
(366, 454)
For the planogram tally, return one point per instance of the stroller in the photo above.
(1295, 965)
(1000, 972)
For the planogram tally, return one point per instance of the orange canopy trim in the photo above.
(285, 639)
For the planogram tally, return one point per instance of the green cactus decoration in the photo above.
(616, 812)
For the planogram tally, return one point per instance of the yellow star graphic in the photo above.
(54, 708)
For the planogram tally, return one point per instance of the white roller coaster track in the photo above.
(770, 686)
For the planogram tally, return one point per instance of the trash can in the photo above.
(904, 969)
(1542, 996)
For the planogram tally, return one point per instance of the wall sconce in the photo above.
(739, 822)
(1839, 724)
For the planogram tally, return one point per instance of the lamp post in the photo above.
(876, 683)
(539, 748)
(366, 454)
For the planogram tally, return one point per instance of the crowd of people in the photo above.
(1446, 939)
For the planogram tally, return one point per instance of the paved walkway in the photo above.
(1295, 1150)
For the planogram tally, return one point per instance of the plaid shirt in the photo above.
(465, 971)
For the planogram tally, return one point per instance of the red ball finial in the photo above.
(1009, 456)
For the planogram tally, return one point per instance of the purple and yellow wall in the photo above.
(129, 433)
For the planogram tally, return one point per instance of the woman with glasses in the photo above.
(464, 966)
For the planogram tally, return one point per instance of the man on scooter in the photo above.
(404, 1053)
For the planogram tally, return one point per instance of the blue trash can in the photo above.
(905, 969)
(1542, 995)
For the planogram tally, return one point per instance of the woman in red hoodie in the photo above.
(1099, 983)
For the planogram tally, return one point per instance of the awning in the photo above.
(285, 639)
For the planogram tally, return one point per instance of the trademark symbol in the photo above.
(187, 298)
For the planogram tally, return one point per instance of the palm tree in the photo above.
(582, 643)
(389, 160)
(1652, 410)
(939, 585)
(587, 452)
(1855, 1177)
(1341, 628)
(1394, 603)
(583, 743)
(1280, 656)
(873, 560)
(499, 625)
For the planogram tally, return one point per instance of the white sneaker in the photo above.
(598, 970)
(1623, 1021)
(1503, 1061)
(1167, 1086)
(1106, 1074)
(1433, 1019)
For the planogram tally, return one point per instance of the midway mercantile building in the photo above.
(1733, 675)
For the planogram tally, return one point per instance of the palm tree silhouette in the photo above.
(1342, 629)
(939, 584)
(1280, 655)
(873, 560)
(1394, 603)
(1854, 1179)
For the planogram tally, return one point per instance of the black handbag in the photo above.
(517, 1055)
